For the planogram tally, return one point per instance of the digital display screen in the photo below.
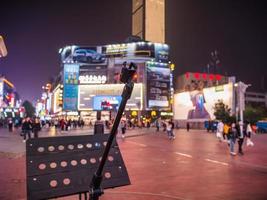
(199, 104)
(106, 102)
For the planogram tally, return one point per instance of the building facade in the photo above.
(90, 80)
(9, 100)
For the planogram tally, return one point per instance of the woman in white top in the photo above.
(249, 131)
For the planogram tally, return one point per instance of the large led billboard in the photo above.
(199, 104)
(70, 90)
(106, 102)
(92, 97)
(100, 54)
(82, 54)
(158, 85)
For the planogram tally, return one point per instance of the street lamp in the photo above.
(241, 90)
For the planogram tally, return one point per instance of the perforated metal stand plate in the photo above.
(62, 166)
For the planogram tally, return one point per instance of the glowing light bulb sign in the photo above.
(93, 79)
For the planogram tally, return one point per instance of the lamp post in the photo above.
(241, 90)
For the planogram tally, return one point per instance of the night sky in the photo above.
(35, 30)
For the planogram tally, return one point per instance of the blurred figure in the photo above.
(36, 127)
(187, 126)
(249, 132)
(219, 132)
(232, 138)
(241, 135)
(157, 125)
(123, 128)
(62, 124)
(170, 130)
(27, 127)
(10, 125)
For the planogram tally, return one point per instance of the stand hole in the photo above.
(40, 149)
(66, 181)
(70, 146)
(110, 158)
(63, 164)
(51, 148)
(53, 183)
(83, 161)
(42, 166)
(92, 160)
(53, 165)
(79, 146)
(89, 145)
(107, 175)
(61, 147)
(73, 162)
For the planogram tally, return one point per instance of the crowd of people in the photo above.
(231, 133)
(235, 131)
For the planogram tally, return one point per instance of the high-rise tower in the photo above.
(148, 20)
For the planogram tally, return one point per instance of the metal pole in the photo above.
(95, 190)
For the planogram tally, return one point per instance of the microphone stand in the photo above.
(95, 190)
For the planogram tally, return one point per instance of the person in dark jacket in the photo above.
(232, 135)
(27, 127)
(241, 135)
(36, 127)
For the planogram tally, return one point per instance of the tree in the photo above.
(222, 112)
(29, 109)
(254, 113)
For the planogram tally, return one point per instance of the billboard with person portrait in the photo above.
(199, 103)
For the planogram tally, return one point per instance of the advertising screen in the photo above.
(57, 101)
(70, 97)
(106, 102)
(94, 74)
(71, 74)
(91, 96)
(80, 54)
(199, 104)
(158, 85)
(70, 90)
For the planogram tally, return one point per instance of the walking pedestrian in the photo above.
(123, 128)
(170, 127)
(36, 127)
(157, 125)
(219, 132)
(164, 126)
(241, 135)
(232, 138)
(187, 126)
(249, 132)
(27, 127)
(10, 125)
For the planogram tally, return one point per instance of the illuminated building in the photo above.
(9, 100)
(89, 80)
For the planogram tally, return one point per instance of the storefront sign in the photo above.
(93, 79)
(166, 114)
(117, 49)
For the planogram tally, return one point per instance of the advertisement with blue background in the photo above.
(70, 91)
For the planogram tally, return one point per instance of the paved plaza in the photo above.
(193, 166)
